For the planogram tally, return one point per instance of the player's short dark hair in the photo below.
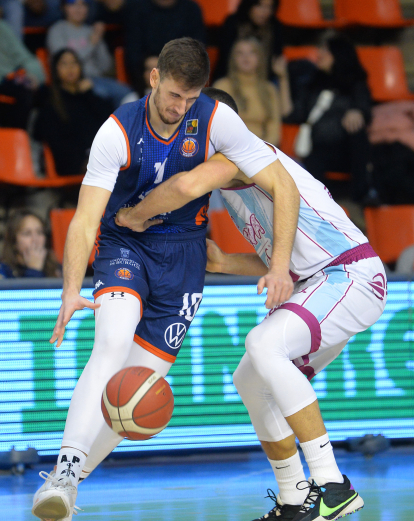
(221, 95)
(186, 61)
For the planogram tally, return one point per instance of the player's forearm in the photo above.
(78, 247)
(286, 202)
(242, 264)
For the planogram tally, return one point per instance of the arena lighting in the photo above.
(368, 389)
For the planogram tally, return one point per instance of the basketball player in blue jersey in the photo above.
(340, 290)
(148, 286)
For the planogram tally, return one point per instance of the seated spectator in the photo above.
(339, 140)
(21, 73)
(12, 11)
(111, 11)
(71, 114)
(150, 24)
(391, 134)
(41, 13)
(149, 63)
(253, 18)
(87, 41)
(25, 250)
(260, 105)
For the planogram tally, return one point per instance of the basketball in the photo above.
(137, 403)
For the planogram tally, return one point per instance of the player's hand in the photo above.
(70, 303)
(215, 257)
(353, 120)
(125, 217)
(279, 286)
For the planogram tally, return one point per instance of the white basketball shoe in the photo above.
(55, 499)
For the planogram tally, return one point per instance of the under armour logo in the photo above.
(117, 294)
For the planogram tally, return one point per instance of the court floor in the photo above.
(213, 487)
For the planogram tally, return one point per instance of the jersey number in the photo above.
(189, 310)
(159, 170)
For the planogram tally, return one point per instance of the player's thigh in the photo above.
(174, 299)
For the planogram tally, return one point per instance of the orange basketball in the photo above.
(137, 403)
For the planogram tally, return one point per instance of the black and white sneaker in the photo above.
(280, 511)
(328, 502)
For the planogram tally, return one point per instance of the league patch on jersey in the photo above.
(124, 273)
(189, 147)
(191, 127)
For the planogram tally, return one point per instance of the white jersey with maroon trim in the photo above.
(324, 231)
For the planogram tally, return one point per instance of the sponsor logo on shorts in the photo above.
(379, 286)
(174, 335)
(127, 262)
(124, 253)
(116, 295)
(99, 283)
(191, 127)
(189, 147)
(124, 273)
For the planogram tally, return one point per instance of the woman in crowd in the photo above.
(339, 140)
(253, 18)
(71, 114)
(87, 41)
(261, 105)
(25, 250)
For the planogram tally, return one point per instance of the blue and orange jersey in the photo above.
(153, 159)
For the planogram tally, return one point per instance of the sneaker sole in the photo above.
(353, 507)
(51, 509)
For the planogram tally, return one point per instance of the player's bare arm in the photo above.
(233, 263)
(78, 247)
(177, 191)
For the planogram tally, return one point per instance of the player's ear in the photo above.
(154, 78)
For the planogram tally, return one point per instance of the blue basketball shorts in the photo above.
(166, 273)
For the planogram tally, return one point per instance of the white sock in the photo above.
(321, 461)
(288, 472)
(70, 464)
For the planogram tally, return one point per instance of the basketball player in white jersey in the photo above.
(339, 290)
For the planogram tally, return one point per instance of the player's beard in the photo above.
(163, 117)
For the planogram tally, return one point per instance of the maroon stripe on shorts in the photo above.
(363, 251)
(310, 320)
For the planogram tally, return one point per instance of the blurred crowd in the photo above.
(64, 100)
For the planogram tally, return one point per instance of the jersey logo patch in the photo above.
(191, 127)
(124, 273)
(189, 147)
(174, 335)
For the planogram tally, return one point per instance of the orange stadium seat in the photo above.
(216, 11)
(288, 137)
(225, 234)
(372, 13)
(390, 230)
(120, 69)
(306, 14)
(301, 52)
(43, 56)
(386, 74)
(60, 219)
(16, 165)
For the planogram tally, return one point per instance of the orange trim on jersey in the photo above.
(120, 288)
(154, 350)
(160, 139)
(208, 130)
(127, 142)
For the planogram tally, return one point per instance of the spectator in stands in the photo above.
(253, 18)
(25, 249)
(21, 73)
(12, 11)
(339, 140)
(71, 114)
(261, 105)
(41, 13)
(150, 24)
(111, 11)
(88, 43)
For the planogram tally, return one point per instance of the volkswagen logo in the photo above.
(174, 335)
